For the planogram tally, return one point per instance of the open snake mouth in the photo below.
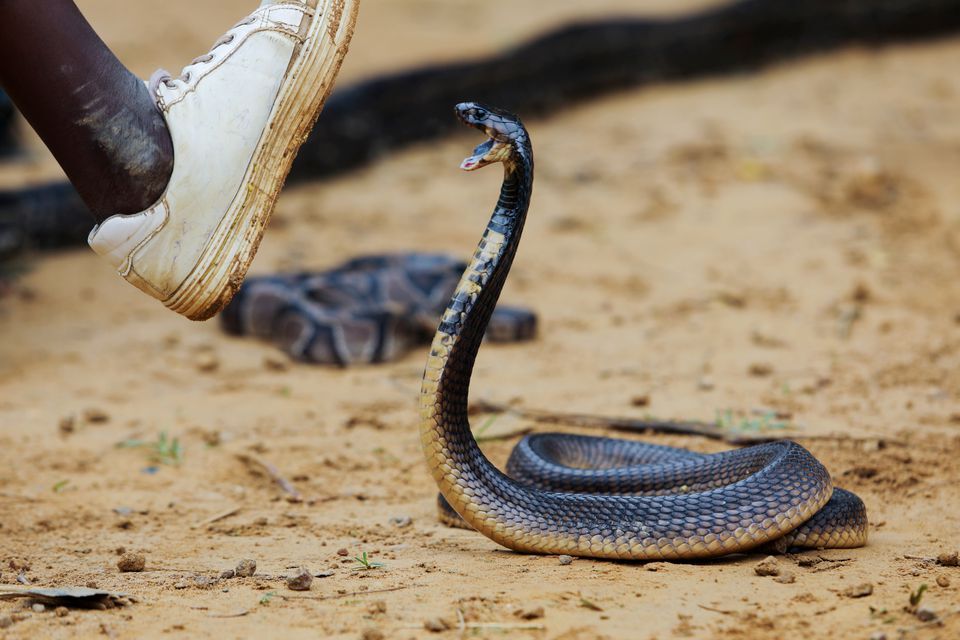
(490, 122)
(481, 156)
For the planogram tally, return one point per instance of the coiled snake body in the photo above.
(367, 310)
(600, 497)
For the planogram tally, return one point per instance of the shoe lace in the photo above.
(161, 76)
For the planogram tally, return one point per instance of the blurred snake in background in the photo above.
(368, 310)
(592, 496)
(539, 76)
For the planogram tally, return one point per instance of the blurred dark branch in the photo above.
(589, 59)
(558, 69)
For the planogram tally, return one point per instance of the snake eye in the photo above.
(480, 114)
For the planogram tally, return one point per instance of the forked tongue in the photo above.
(476, 160)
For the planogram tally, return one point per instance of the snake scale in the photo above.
(601, 497)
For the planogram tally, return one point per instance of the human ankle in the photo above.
(137, 152)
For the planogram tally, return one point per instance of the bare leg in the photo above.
(95, 116)
(8, 146)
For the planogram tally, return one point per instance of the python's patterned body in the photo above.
(369, 309)
(600, 497)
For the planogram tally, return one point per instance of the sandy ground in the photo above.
(787, 241)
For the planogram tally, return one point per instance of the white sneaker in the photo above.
(237, 117)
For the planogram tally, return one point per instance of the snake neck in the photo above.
(444, 427)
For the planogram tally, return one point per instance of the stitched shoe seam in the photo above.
(258, 22)
(131, 256)
(213, 66)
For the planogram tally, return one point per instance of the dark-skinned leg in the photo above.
(8, 146)
(96, 117)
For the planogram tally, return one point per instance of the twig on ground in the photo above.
(682, 427)
(512, 626)
(217, 517)
(937, 622)
(16, 496)
(338, 596)
(691, 427)
(824, 559)
(490, 626)
(274, 474)
(589, 604)
(715, 610)
(907, 556)
(238, 614)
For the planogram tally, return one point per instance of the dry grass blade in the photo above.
(264, 466)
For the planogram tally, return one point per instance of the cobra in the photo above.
(600, 497)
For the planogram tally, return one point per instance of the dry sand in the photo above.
(791, 238)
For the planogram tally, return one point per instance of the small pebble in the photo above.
(760, 369)
(228, 574)
(530, 613)
(132, 562)
(378, 607)
(654, 566)
(787, 577)
(401, 522)
(859, 590)
(767, 567)
(299, 579)
(62, 612)
(204, 581)
(436, 625)
(943, 581)
(878, 635)
(565, 560)
(343, 552)
(949, 559)
(5, 622)
(39, 608)
(19, 564)
(92, 584)
(67, 425)
(926, 614)
(372, 634)
(19, 617)
(246, 568)
(183, 584)
(861, 293)
(642, 400)
(96, 416)
(706, 384)
(275, 363)
(206, 362)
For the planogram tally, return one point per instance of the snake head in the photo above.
(503, 129)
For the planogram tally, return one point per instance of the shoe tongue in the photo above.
(153, 84)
